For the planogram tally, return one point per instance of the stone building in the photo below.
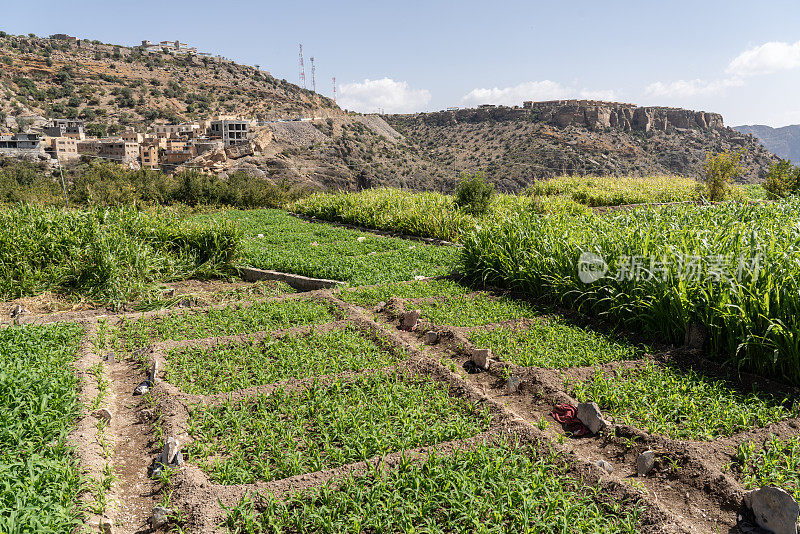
(90, 147)
(22, 145)
(63, 148)
(148, 154)
(232, 132)
(65, 128)
(119, 150)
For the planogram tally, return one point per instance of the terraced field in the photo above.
(343, 410)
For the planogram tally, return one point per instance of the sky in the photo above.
(737, 58)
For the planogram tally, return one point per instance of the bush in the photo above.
(720, 170)
(113, 255)
(783, 179)
(107, 184)
(473, 194)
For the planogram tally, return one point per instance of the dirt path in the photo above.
(131, 428)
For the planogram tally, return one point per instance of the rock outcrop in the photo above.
(592, 114)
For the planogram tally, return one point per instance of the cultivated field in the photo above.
(370, 407)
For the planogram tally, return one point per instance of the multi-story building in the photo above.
(132, 136)
(177, 157)
(119, 150)
(185, 129)
(65, 128)
(63, 148)
(21, 141)
(148, 154)
(22, 145)
(232, 132)
(90, 147)
(177, 144)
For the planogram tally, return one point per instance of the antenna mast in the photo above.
(313, 77)
(334, 88)
(302, 68)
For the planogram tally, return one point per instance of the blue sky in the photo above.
(738, 58)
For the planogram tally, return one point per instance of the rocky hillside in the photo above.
(784, 142)
(544, 139)
(112, 87)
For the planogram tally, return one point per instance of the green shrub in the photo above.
(783, 179)
(474, 194)
(720, 171)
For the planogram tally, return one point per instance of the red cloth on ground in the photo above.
(567, 415)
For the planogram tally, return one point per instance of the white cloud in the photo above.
(684, 88)
(537, 90)
(766, 58)
(385, 94)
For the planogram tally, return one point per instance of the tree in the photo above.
(474, 194)
(783, 179)
(720, 170)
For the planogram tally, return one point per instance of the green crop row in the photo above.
(40, 480)
(236, 319)
(731, 268)
(284, 433)
(224, 368)
(372, 295)
(114, 255)
(435, 215)
(504, 488)
(679, 404)
(278, 241)
(420, 214)
(553, 343)
(776, 464)
(619, 190)
(476, 310)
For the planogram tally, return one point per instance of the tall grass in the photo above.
(598, 191)
(618, 190)
(419, 214)
(112, 255)
(751, 321)
(436, 215)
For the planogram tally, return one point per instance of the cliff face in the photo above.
(589, 114)
(516, 145)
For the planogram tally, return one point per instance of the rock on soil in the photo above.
(409, 320)
(602, 464)
(159, 517)
(143, 388)
(482, 358)
(774, 509)
(645, 462)
(103, 413)
(590, 415)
